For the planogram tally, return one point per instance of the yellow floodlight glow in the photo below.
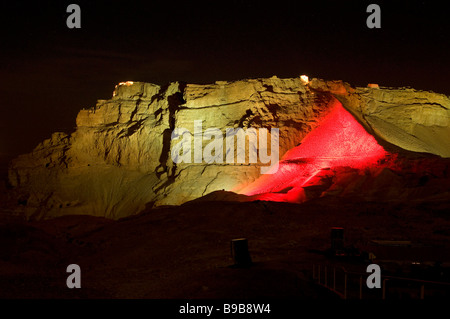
(127, 83)
(304, 79)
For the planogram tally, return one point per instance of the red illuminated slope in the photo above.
(338, 141)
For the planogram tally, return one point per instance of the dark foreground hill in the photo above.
(184, 251)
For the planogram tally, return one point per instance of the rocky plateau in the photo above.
(118, 161)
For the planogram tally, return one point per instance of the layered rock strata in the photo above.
(118, 160)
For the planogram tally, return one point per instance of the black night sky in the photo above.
(49, 72)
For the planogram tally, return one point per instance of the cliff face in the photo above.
(119, 159)
(413, 120)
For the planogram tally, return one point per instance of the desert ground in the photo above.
(183, 252)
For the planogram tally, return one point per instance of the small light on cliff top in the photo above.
(127, 83)
(304, 79)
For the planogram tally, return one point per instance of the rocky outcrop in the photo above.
(118, 161)
(413, 120)
(108, 165)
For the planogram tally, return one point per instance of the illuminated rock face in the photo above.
(118, 159)
(412, 120)
(339, 141)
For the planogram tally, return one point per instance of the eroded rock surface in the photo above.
(118, 160)
(413, 120)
